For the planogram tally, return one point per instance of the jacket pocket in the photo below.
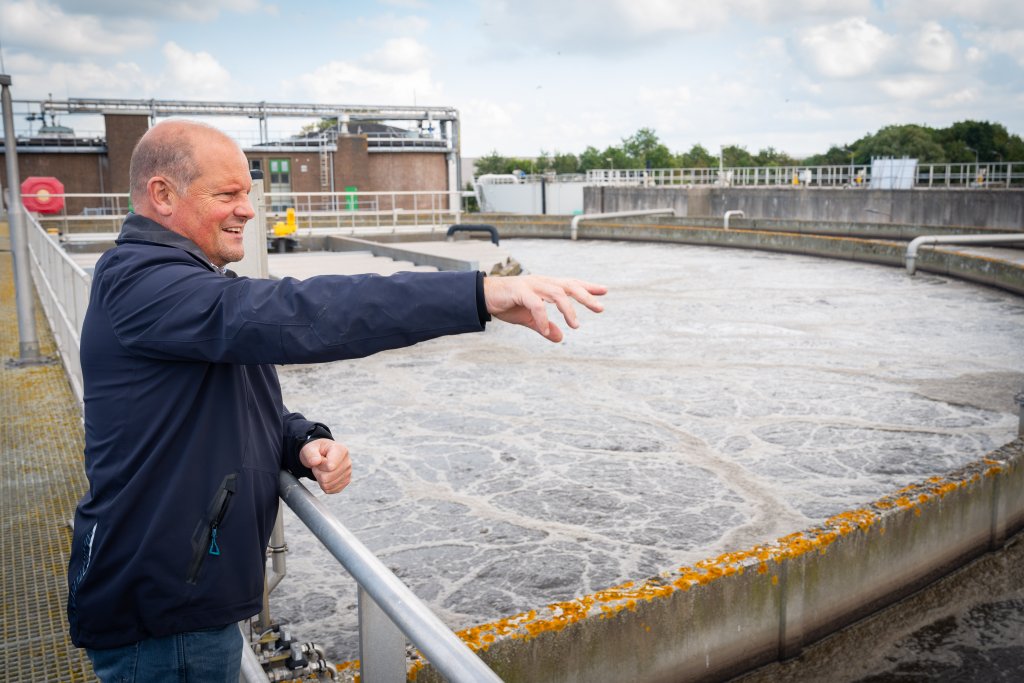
(204, 538)
(82, 557)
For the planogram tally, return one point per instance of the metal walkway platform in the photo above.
(41, 480)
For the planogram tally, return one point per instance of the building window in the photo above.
(280, 172)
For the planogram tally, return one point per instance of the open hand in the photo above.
(522, 300)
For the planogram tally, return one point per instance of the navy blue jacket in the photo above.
(185, 428)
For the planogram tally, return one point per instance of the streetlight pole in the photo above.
(28, 342)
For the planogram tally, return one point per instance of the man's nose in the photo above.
(245, 209)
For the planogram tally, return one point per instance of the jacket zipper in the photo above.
(204, 539)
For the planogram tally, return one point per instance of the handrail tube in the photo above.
(728, 215)
(912, 248)
(449, 655)
(574, 226)
(252, 671)
(473, 227)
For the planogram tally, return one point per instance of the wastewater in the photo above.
(725, 398)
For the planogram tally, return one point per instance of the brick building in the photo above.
(374, 158)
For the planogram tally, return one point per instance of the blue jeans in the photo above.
(210, 655)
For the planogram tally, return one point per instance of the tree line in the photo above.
(962, 142)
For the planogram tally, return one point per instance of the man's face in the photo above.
(213, 210)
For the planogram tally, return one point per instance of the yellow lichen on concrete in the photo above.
(628, 596)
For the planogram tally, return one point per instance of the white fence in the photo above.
(63, 289)
(969, 175)
(86, 216)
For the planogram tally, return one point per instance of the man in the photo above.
(185, 428)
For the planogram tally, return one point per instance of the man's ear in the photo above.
(162, 196)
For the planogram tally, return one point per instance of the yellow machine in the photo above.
(288, 226)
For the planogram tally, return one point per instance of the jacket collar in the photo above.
(138, 228)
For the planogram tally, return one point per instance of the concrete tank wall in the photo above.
(732, 613)
(844, 241)
(973, 207)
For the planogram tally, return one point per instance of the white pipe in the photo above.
(615, 214)
(728, 215)
(956, 239)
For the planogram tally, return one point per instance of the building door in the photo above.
(280, 181)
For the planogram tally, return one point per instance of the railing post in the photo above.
(28, 341)
(381, 644)
(1019, 398)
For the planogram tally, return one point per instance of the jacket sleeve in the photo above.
(296, 433)
(179, 311)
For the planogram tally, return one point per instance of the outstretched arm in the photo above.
(522, 300)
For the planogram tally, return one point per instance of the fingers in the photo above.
(587, 292)
(562, 293)
(330, 463)
(523, 301)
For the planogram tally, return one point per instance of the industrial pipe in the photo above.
(468, 227)
(912, 248)
(728, 215)
(574, 226)
(278, 549)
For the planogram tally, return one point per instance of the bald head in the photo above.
(168, 149)
(195, 181)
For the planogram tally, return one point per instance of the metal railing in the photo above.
(959, 175)
(366, 211)
(63, 289)
(86, 212)
(386, 605)
(89, 217)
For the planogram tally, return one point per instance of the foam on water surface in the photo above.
(724, 399)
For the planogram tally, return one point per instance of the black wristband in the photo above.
(317, 431)
(481, 300)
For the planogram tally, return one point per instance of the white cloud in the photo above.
(793, 10)
(393, 24)
(1009, 42)
(983, 12)
(955, 99)
(845, 49)
(603, 26)
(935, 48)
(406, 4)
(354, 84)
(910, 87)
(670, 108)
(41, 26)
(398, 55)
(202, 11)
(193, 74)
(34, 78)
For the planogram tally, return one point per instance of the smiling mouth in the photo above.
(234, 231)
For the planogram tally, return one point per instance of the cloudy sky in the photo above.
(551, 75)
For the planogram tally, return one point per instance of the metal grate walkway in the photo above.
(41, 479)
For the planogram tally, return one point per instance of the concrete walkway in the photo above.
(41, 480)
